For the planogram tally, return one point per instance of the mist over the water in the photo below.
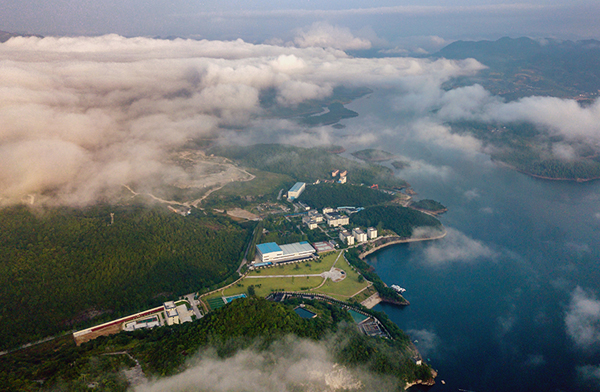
(509, 300)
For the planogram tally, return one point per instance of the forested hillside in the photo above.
(400, 220)
(253, 323)
(307, 164)
(60, 267)
(336, 195)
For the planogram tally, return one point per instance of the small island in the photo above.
(429, 206)
(373, 155)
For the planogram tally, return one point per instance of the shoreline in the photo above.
(399, 240)
(501, 163)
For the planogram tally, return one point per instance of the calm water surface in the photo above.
(489, 303)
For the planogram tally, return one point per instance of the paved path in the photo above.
(192, 301)
(283, 276)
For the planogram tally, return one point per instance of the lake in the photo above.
(508, 301)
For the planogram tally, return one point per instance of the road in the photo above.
(192, 301)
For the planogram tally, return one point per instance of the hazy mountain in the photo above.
(523, 66)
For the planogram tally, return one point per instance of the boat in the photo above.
(398, 289)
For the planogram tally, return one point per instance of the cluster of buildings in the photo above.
(177, 314)
(358, 235)
(342, 174)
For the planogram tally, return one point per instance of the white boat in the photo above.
(398, 288)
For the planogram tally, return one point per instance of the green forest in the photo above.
(336, 195)
(246, 323)
(529, 149)
(64, 268)
(400, 220)
(429, 205)
(307, 164)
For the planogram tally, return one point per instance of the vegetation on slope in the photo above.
(307, 164)
(373, 155)
(336, 195)
(61, 267)
(245, 323)
(400, 220)
(429, 205)
(533, 151)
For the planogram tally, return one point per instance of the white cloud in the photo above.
(322, 34)
(582, 319)
(428, 341)
(290, 365)
(110, 110)
(472, 194)
(456, 247)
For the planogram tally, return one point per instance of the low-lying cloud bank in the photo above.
(456, 247)
(82, 115)
(583, 320)
(289, 365)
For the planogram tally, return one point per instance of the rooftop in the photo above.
(296, 187)
(268, 247)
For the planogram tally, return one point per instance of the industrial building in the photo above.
(271, 252)
(346, 237)
(296, 190)
(359, 235)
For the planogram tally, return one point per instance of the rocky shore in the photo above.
(383, 242)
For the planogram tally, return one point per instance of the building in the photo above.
(296, 190)
(304, 206)
(323, 247)
(334, 173)
(344, 173)
(271, 252)
(346, 237)
(342, 180)
(328, 210)
(312, 224)
(171, 313)
(371, 233)
(334, 219)
(359, 235)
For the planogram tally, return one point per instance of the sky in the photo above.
(385, 23)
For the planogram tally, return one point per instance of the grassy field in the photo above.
(264, 286)
(305, 268)
(265, 183)
(346, 288)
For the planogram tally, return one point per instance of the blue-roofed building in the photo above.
(271, 252)
(268, 252)
(296, 190)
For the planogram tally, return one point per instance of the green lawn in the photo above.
(264, 183)
(264, 286)
(346, 288)
(299, 268)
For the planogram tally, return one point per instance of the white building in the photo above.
(276, 254)
(346, 237)
(359, 235)
(371, 233)
(328, 210)
(335, 219)
(296, 190)
(312, 224)
(342, 180)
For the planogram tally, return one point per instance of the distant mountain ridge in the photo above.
(5, 36)
(523, 66)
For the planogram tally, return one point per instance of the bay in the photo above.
(508, 300)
